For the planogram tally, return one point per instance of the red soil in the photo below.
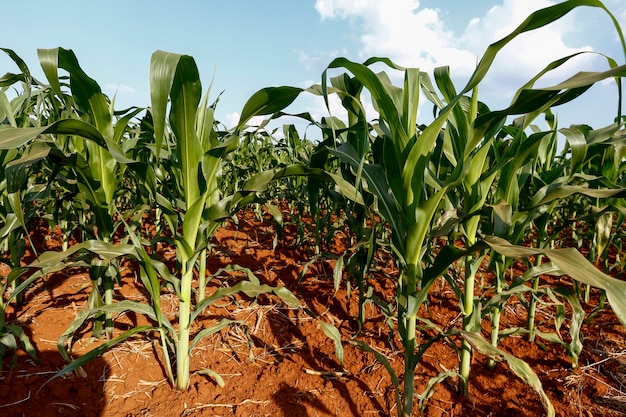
(280, 363)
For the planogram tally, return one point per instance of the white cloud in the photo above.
(417, 36)
(401, 31)
(232, 119)
(529, 53)
(342, 9)
(318, 108)
(318, 61)
(307, 60)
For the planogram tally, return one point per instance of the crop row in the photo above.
(493, 188)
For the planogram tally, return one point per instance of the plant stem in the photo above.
(16, 255)
(495, 317)
(587, 296)
(407, 312)
(468, 310)
(94, 301)
(201, 276)
(184, 327)
(108, 300)
(409, 367)
(108, 278)
(532, 307)
(532, 311)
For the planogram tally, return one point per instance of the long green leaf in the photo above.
(267, 101)
(207, 331)
(384, 102)
(576, 266)
(94, 353)
(15, 137)
(333, 333)
(378, 185)
(162, 71)
(518, 366)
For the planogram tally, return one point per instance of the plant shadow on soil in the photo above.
(28, 390)
(288, 344)
(295, 402)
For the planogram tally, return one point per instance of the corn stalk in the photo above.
(199, 153)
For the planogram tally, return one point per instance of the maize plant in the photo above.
(94, 167)
(196, 206)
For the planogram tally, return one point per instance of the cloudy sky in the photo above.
(250, 44)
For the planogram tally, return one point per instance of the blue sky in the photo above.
(250, 44)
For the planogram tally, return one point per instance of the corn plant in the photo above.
(17, 190)
(17, 208)
(424, 181)
(92, 168)
(602, 166)
(12, 336)
(198, 207)
(190, 199)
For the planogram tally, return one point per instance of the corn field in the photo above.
(458, 203)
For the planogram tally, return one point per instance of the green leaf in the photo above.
(94, 353)
(338, 273)
(11, 137)
(575, 345)
(85, 91)
(106, 251)
(376, 180)
(333, 333)
(191, 224)
(383, 360)
(251, 288)
(287, 297)
(207, 331)
(576, 266)
(380, 94)
(6, 111)
(49, 61)
(18, 170)
(578, 146)
(65, 340)
(430, 386)
(185, 94)
(534, 21)
(7, 339)
(558, 191)
(163, 67)
(267, 101)
(129, 305)
(18, 61)
(214, 375)
(518, 366)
